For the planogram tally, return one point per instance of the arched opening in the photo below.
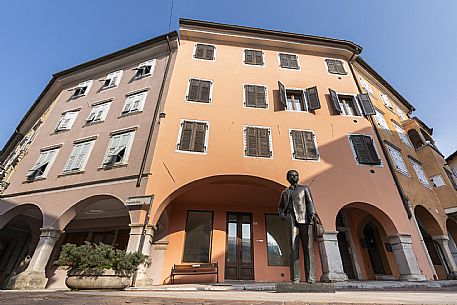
(415, 138)
(18, 240)
(429, 227)
(231, 220)
(364, 247)
(451, 226)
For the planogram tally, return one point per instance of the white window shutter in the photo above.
(74, 154)
(82, 155)
(382, 121)
(386, 101)
(89, 85)
(114, 143)
(119, 76)
(105, 108)
(128, 104)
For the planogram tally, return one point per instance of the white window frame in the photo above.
(118, 74)
(381, 121)
(386, 101)
(128, 148)
(266, 96)
(48, 167)
(354, 153)
(289, 69)
(84, 161)
(356, 103)
(400, 113)
(366, 86)
(346, 68)
(270, 141)
(305, 101)
(251, 65)
(71, 121)
(291, 143)
(87, 84)
(440, 178)
(209, 44)
(151, 62)
(396, 158)
(94, 110)
(144, 95)
(420, 174)
(178, 140)
(210, 91)
(402, 135)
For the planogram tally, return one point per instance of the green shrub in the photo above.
(98, 257)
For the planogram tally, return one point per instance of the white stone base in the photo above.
(28, 280)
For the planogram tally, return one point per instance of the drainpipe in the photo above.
(156, 114)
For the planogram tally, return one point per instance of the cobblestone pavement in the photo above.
(447, 296)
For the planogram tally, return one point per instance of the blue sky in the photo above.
(411, 43)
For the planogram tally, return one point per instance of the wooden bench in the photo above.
(194, 269)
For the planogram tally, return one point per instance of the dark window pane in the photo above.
(197, 245)
(277, 243)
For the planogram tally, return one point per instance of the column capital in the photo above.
(50, 232)
(399, 239)
(442, 238)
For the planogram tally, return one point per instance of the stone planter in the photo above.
(91, 279)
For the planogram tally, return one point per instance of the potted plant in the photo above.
(99, 266)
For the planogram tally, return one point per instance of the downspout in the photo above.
(403, 197)
(154, 118)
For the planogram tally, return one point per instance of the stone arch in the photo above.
(428, 221)
(16, 210)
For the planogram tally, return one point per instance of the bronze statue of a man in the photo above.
(296, 207)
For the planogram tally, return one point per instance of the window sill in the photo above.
(108, 87)
(60, 131)
(142, 76)
(191, 152)
(307, 160)
(71, 173)
(92, 123)
(336, 73)
(74, 97)
(108, 167)
(130, 114)
(199, 102)
(34, 180)
(287, 68)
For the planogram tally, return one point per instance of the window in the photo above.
(386, 101)
(401, 114)
(98, 113)
(134, 102)
(402, 134)
(335, 66)
(253, 57)
(78, 157)
(397, 158)
(43, 164)
(381, 122)
(288, 61)
(82, 89)
(197, 243)
(298, 99)
(145, 69)
(199, 91)
(112, 80)
(451, 177)
(364, 149)
(257, 142)
(193, 136)
(304, 145)
(420, 173)
(277, 242)
(351, 105)
(66, 120)
(366, 86)
(118, 148)
(255, 96)
(204, 51)
(437, 181)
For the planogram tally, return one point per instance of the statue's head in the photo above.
(292, 176)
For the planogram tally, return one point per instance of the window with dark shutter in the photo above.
(257, 142)
(199, 91)
(365, 104)
(253, 57)
(255, 96)
(304, 145)
(193, 136)
(204, 51)
(312, 98)
(335, 101)
(365, 150)
(282, 94)
(335, 66)
(289, 61)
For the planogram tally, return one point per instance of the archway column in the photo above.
(332, 266)
(34, 276)
(405, 257)
(137, 240)
(443, 242)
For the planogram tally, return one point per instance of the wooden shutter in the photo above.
(204, 91)
(371, 150)
(335, 101)
(365, 104)
(331, 66)
(199, 51)
(310, 145)
(250, 95)
(284, 62)
(186, 135)
(260, 100)
(251, 141)
(293, 62)
(193, 90)
(312, 97)
(361, 150)
(199, 137)
(299, 144)
(249, 57)
(209, 54)
(282, 94)
(263, 138)
(339, 67)
(259, 58)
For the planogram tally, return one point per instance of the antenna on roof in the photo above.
(171, 14)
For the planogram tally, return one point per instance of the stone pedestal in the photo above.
(34, 276)
(405, 257)
(443, 242)
(135, 239)
(332, 266)
(305, 288)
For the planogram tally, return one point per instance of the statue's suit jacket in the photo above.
(301, 201)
